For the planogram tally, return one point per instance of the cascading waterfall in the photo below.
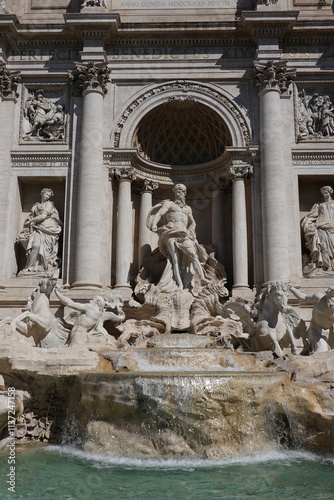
(204, 415)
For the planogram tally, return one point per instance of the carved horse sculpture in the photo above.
(38, 321)
(278, 325)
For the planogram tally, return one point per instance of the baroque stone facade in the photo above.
(108, 105)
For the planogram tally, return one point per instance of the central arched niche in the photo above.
(181, 132)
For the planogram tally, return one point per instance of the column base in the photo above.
(86, 285)
(243, 291)
(124, 291)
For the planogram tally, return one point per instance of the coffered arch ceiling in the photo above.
(181, 132)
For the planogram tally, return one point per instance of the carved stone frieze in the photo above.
(43, 116)
(187, 88)
(36, 160)
(273, 75)
(314, 115)
(9, 81)
(90, 76)
(313, 158)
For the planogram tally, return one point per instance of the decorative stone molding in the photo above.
(35, 160)
(189, 89)
(313, 158)
(90, 76)
(273, 75)
(9, 81)
(240, 171)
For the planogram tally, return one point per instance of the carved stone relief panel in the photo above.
(314, 114)
(44, 116)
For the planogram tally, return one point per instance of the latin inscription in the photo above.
(44, 54)
(174, 4)
(181, 53)
(155, 53)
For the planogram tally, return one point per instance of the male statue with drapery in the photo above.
(173, 221)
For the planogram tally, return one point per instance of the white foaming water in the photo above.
(104, 461)
(146, 366)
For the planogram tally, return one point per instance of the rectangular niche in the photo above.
(309, 195)
(44, 114)
(30, 194)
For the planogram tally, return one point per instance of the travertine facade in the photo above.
(110, 103)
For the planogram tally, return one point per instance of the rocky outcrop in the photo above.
(172, 401)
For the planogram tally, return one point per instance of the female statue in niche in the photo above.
(40, 235)
(318, 227)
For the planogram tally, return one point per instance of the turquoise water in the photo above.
(63, 473)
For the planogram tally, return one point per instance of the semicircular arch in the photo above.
(215, 98)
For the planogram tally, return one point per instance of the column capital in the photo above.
(240, 171)
(147, 186)
(90, 77)
(218, 183)
(124, 174)
(88, 4)
(273, 75)
(9, 81)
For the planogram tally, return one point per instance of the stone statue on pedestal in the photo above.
(318, 227)
(40, 236)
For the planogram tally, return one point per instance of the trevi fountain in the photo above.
(167, 249)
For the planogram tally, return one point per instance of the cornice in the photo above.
(271, 24)
(93, 25)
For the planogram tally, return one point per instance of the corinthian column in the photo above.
(272, 80)
(216, 186)
(239, 225)
(124, 243)
(91, 79)
(145, 235)
(8, 97)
